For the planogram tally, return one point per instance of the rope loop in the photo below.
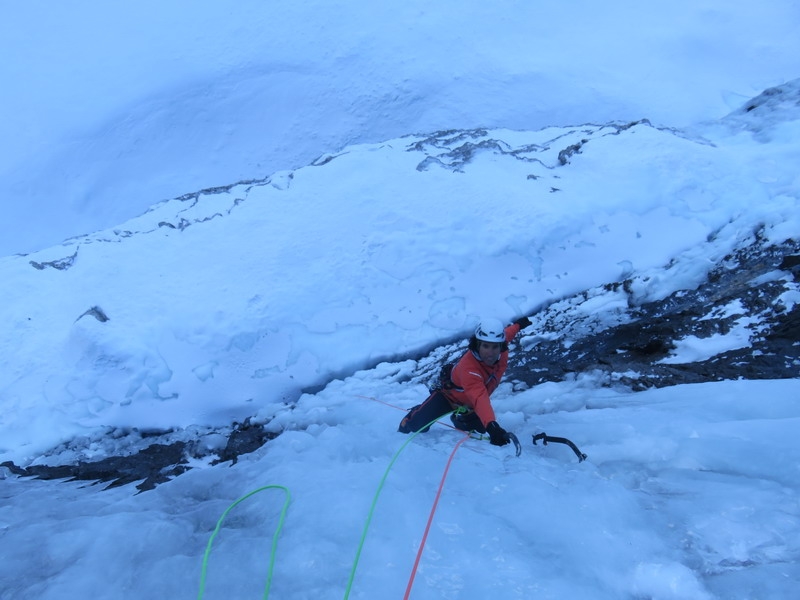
(274, 537)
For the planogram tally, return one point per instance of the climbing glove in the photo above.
(497, 435)
(523, 322)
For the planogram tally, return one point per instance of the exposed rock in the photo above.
(743, 292)
(152, 465)
(154, 457)
(245, 438)
(96, 312)
(61, 264)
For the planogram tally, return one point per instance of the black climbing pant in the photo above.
(437, 405)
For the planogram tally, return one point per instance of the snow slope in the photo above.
(244, 296)
(130, 105)
(688, 492)
(307, 296)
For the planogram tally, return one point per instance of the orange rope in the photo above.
(381, 401)
(430, 517)
(397, 407)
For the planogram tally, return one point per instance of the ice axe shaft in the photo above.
(559, 440)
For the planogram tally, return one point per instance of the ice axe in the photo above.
(558, 440)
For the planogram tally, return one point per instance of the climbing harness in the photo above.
(559, 440)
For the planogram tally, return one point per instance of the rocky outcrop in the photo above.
(155, 457)
(742, 295)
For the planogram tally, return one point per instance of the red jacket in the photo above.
(475, 381)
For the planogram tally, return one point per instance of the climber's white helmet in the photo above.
(490, 330)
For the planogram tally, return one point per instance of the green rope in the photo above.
(375, 501)
(274, 537)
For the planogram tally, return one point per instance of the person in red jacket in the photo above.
(472, 380)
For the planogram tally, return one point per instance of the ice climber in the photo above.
(470, 384)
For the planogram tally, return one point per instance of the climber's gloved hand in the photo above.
(523, 322)
(497, 435)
